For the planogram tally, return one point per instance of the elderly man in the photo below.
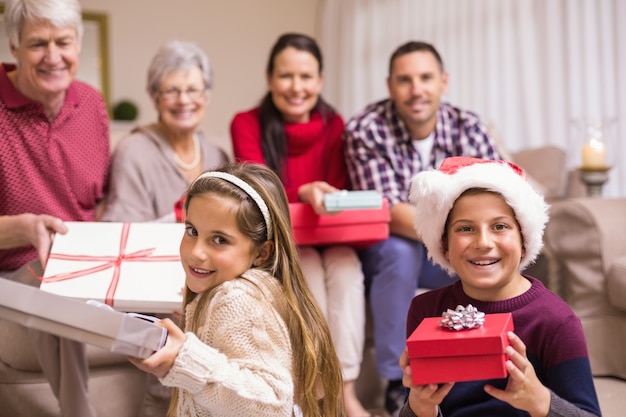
(54, 158)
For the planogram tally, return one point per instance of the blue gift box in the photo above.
(353, 200)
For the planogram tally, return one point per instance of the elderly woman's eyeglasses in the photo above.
(173, 94)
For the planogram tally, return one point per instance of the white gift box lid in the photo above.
(111, 330)
(130, 266)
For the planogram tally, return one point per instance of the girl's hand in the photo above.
(313, 193)
(162, 360)
(423, 400)
(523, 390)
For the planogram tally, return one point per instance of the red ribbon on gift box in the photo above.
(179, 209)
(114, 262)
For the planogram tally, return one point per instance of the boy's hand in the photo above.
(423, 399)
(523, 390)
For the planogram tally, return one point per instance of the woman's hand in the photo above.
(423, 400)
(523, 390)
(162, 360)
(313, 193)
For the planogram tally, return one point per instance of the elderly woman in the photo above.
(54, 144)
(153, 166)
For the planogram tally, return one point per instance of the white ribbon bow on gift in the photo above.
(462, 318)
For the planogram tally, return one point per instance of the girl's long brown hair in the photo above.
(316, 371)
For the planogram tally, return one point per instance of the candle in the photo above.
(594, 154)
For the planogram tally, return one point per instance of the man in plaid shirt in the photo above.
(386, 145)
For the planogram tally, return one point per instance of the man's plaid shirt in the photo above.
(380, 154)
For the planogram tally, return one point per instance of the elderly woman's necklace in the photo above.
(196, 157)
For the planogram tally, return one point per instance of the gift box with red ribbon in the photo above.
(129, 266)
(438, 354)
(359, 228)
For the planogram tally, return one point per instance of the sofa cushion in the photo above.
(616, 283)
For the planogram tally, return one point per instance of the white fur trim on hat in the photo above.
(434, 192)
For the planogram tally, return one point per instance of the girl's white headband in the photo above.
(248, 190)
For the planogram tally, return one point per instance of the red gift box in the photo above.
(438, 355)
(359, 228)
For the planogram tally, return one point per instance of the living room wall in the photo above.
(236, 34)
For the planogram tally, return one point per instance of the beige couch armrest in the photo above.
(586, 235)
(616, 283)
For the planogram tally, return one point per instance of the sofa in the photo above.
(116, 387)
(586, 242)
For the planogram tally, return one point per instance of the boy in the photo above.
(481, 220)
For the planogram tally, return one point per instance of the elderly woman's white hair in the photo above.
(177, 56)
(58, 13)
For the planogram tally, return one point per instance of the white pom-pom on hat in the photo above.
(434, 193)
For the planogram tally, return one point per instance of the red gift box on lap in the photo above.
(358, 228)
(439, 355)
(129, 266)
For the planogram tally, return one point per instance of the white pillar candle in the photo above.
(594, 154)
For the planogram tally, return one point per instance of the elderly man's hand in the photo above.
(37, 230)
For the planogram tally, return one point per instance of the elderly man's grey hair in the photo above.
(58, 13)
(177, 56)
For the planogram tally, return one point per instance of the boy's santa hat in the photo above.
(434, 193)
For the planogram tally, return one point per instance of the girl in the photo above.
(297, 134)
(255, 342)
(483, 221)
